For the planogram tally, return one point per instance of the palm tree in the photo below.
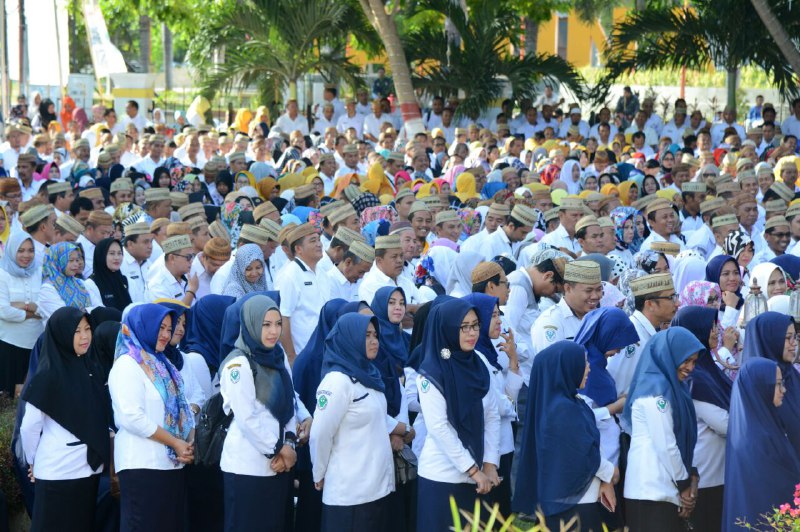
(273, 43)
(779, 33)
(710, 32)
(482, 64)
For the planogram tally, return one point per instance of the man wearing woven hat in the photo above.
(154, 157)
(216, 253)
(507, 239)
(746, 209)
(693, 194)
(388, 271)
(582, 292)
(60, 196)
(137, 249)
(67, 229)
(171, 282)
(589, 235)
(723, 222)
(158, 204)
(662, 221)
(26, 165)
(99, 225)
(121, 192)
(304, 289)
(570, 211)
(345, 278)
(339, 245)
(777, 235)
(496, 216)
(351, 164)
(327, 169)
(655, 301)
(448, 225)
(38, 221)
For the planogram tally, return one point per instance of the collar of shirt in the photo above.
(338, 277)
(644, 322)
(566, 308)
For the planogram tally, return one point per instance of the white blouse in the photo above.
(14, 328)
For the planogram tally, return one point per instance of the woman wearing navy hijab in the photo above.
(350, 446)
(711, 395)
(461, 451)
(772, 335)
(762, 466)
(505, 382)
(724, 270)
(561, 469)
(203, 331)
(660, 481)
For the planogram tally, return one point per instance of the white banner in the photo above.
(47, 43)
(106, 57)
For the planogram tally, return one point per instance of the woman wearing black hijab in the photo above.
(107, 286)
(64, 430)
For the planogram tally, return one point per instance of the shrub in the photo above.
(8, 481)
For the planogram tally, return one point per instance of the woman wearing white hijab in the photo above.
(571, 175)
(770, 278)
(459, 282)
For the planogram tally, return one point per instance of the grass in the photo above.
(8, 482)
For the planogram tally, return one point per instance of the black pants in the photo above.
(652, 516)
(707, 514)
(433, 503)
(152, 500)
(255, 504)
(587, 518)
(65, 505)
(502, 493)
(205, 503)
(308, 513)
(365, 517)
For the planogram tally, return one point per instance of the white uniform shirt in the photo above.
(303, 294)
(520, 312)
(554, 324)
(138, 411)
(54, 452)
(148, 165)
(559, 238)
(709, 452)
(372, 124)
(444, 458)
(254, 432)
(622, 365)
(164, 285)
(505, 384)
(14, 328)
(204, 279)
(654, 461)
(346, 122)
(475, 242)
(136, 274)
(340, 287)
(88, 254)
(375, 279)
(498, 243)
(287, 125)
(351, 416)
(655, 237)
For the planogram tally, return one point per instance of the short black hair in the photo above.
(134, 104)
(336, 243)
(352, 256)
(637, 135)
(51, 198)
(80, 203)
(303, 202)
(548, 265)
(483, 285)
(107, 111)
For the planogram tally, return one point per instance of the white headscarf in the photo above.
(686, 270)
(762, 273)
(459, 282)
(573, 185)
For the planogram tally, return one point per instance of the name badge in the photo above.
(308, 283)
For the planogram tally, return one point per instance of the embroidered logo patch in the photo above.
(425, 385)
(630, 350)
(550, 334)
(661, 404)
(235, 376)
(322, 402)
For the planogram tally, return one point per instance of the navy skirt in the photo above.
(152, 500)
(256, 504)
(433, 503)
(65, 505)
(371, 515)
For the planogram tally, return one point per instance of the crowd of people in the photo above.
(585, 322)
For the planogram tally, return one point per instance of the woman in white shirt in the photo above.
(155, 423)
(258, 452)
(350, 448)
(203, 333)
(711, 394)
(107, 286)
(461, 451)
(506, 382)
(660, 481)
(20, 324)
(60, 286)
(562, 470)
(64, 430)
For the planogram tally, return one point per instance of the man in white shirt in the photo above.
(768, 140)
(496, 216)
(39, 222)
(26, 165)
(138, 244)
(640, 124)
(351, 164)
(677, 126)
(548, 98)
(292, 120)
(154, 158)
(100, 225)
(656, 303)
(653, 121)
(433, 117)
(791, 125)
(345, 277)
(350, 119)
(330, 97)
(661, 219)
(507, 239)
(216, 253)
(13, 147)
(574, 120)
(373, 122)
(132, 116)
(569, 212)
(693, 194)
(728, 120)
(603, 117)
(531, 124)
(170, 282)
(325, 120)
(777, 235)
(327, 171)
(387, 271)
(304, 290)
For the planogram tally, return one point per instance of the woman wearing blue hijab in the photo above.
(461, 451)
(762, 466)
(350, 447)
(724, 270)
(389, 306)
(561, 469)
(711, 394)
(506, 384)
(258, 452)
(203, 332)
(231, 325)
(772, 335)
(660, 481)
(307, 374)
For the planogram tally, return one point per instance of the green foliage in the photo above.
(270, 44)
(8, 482)
(487, 518)
(482, 64)
(710, 32)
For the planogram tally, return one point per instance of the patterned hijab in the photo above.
(237, 284)
(619, 216)
(70, 288)
(696, 293)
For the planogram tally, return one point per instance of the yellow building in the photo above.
(567, 36)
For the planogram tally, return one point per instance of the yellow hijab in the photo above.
(609, 189)
(7, 229)
(427, 189)
(465, 187)
(242, 120)
(624, 189)
(377, 182)
(250, 177)
(290, 181)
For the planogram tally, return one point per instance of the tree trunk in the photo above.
(779, 35)
(166, 36)
(144, 42)
(385, 26)
(641, 5)
(731, 83)
(531, 36)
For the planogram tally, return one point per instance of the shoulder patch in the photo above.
(550, 333)
(235, 376)
(322, 402)
(661, 404)
(630, 350)
(425, 384)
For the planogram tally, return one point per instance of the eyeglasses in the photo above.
(792, 338)
(673, 297)
(475, 327)
(710, 174)
(189, 257)
(779, 384)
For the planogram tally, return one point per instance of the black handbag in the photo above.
(405, 465)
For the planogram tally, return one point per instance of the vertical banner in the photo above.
(106, 58)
